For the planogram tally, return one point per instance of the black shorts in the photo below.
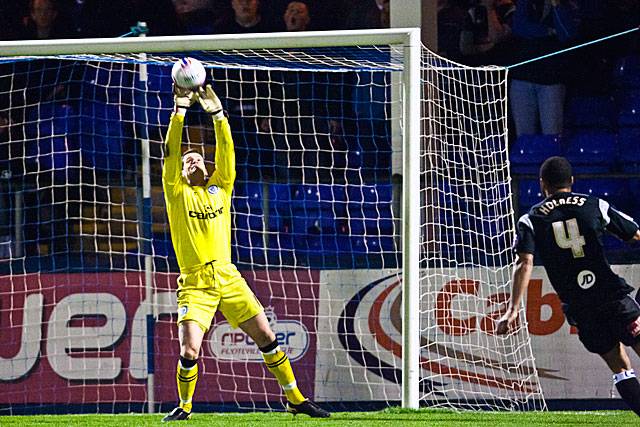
(600, 329)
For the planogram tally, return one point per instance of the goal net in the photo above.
(87, 268)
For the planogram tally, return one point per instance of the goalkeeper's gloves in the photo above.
(210, 101)
(183, 98)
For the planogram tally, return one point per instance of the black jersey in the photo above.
(565, 231)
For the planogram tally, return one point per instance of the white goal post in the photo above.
(432, 119)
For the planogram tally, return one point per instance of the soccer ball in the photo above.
(188, 73)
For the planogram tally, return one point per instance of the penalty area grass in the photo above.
(430, 417)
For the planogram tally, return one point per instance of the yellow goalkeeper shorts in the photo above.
(202, 292)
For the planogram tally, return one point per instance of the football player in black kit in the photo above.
(565, 231)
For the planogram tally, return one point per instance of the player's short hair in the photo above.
(556, 172)
(191, 150)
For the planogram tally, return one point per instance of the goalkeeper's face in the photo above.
(194, 169)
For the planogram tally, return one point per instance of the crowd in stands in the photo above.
(49, 19)
(473, 32)
(506, 32)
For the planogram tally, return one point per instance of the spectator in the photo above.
(451, 22)
(245, 18)
(44, 21)
(537, 89)
(369, 14)
(296, 17)
(485, 28)
(194, 16)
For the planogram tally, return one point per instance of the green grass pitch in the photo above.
(389, 418)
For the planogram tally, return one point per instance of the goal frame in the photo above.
(408, 38)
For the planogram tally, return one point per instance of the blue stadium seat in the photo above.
(162, 245)
(247, 247)
(280, 248)
(529, 151)
(590, 112)
(377, 193)
(628, 153)
(318, 208)
(374, 252)
(101, 136)
(106, 84)
(247, 196)
(613, 190)
(592, 152)
(247, 223)
(369, 210)
(627, 72)
(529, 194)
(629, 108)
(52, 131)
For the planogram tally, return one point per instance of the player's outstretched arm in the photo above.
(521, 277)
(172, 167)
(225, 173)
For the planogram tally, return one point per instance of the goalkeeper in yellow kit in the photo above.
(199, 210)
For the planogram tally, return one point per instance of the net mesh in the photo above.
(315, 231)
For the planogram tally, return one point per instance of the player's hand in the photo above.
(506, 322)
(183, 98)
(209, 100)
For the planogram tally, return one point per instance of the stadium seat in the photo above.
(626, 73)
(247, 246)
(592, 152)
(247, 223)
(162, 245)
(52, 131)
(529, 193)
(613, 190)
(529, 151)
(280, 208)
(372, 194)
(318, 208)
(590, 112)
(628, 153)
(101, 137)
(247, 196)
(629, 108)
(369, 210)
(280, 248)
(105, 84)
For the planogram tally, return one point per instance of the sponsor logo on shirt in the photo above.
(586, 279)
(206, 215)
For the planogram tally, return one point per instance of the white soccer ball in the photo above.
(188, 73)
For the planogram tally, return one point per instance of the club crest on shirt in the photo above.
(213, 189)
(183, 310)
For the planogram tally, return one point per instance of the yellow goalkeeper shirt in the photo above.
(199, 217)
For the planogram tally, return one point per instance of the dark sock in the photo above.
(629, 389)
(269, 347)
(187, 363)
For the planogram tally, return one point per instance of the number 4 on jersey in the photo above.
(569, 238)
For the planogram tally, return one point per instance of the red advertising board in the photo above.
(81, 338)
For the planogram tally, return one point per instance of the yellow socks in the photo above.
(279, 365)
(186, 377)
